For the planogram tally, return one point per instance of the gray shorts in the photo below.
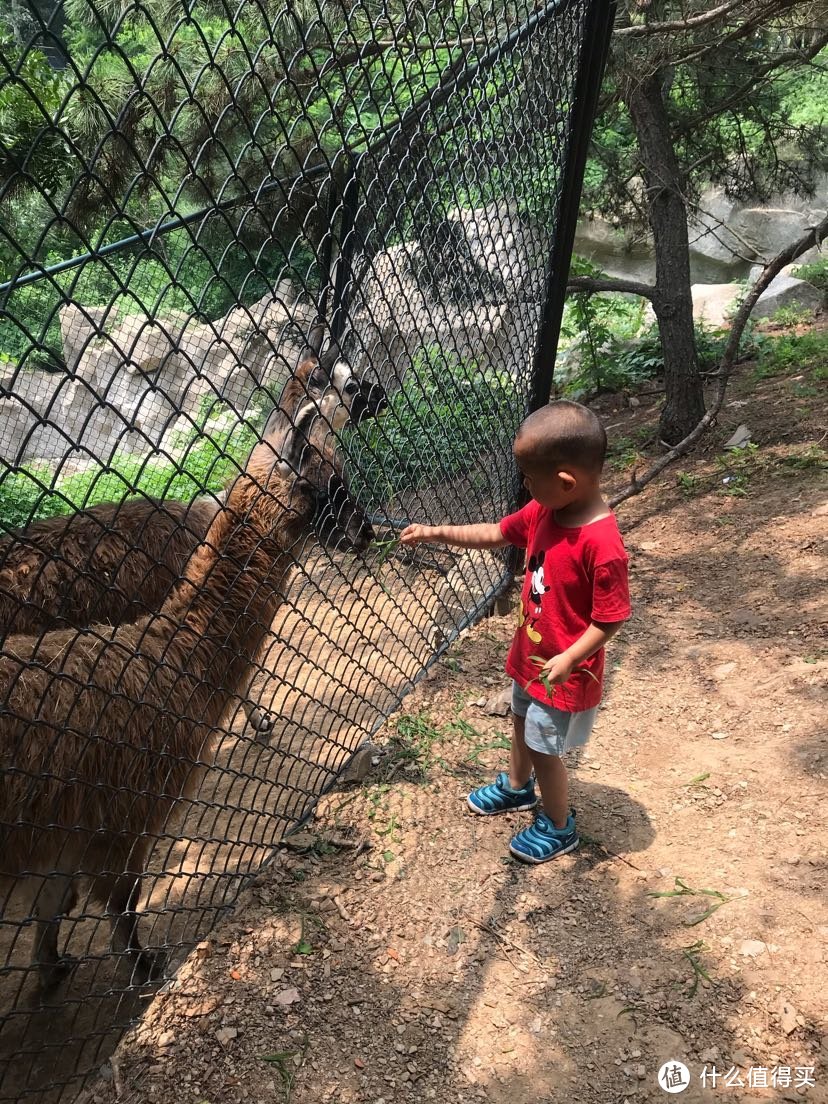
(551, 731)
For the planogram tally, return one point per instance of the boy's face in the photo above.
(553, 487)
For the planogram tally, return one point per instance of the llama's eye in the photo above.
(351, 387)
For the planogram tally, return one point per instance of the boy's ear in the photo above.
(568, 481)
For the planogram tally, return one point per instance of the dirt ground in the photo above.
(395, 953)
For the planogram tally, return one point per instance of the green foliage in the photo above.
(791, 316)
(816, 273)
(688, 484)
(31, 151)
(598, 329)
(209, 457)
(753, 139)
(804, 94)
(794, 353)
(446, 414)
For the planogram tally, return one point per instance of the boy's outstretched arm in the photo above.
(484, 535)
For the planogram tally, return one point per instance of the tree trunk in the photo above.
(672, 303)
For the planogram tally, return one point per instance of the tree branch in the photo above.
(758, 75)
(639, 30)
(754, 22)
(810, 238)
(608, 283)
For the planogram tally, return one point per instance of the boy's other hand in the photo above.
(413, 534)
(558, 669)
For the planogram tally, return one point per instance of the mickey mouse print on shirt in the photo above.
(537, 589)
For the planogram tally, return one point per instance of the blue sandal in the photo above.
(499, 797)
(542, 841)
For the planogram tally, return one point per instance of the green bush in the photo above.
(815, 273)
(436, 426)
(806, 352)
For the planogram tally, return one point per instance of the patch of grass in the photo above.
(791, 354)
(815, 273)
(688, 483)
(693, 955)
(209, 457)
(741, 465)
(681, 889)
(410, 750)
(791, 316)
(438, 424)
(480, 743)
(287, 1063)
(813, 458)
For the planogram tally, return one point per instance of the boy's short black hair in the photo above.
(566, 432)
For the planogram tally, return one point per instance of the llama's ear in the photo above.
(316, 336)
(318, 381)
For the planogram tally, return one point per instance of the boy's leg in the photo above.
(550, 772)
(553, 832)
(511, 791)
(520, 763)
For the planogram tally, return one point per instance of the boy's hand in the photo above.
(558, 669)
(413, 534)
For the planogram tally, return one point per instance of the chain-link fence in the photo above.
(340, 228)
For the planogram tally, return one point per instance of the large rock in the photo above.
(134, 382)
(400, 312)
(508, 251)
(78, 327)
(613, 251)
(768, 230)
(785, 291)
(714, 303)
(709, 235)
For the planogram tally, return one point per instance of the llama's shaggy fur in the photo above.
(111, 564)
(102, 730)
(103, 565)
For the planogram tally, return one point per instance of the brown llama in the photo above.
(114, 563)
(103, 730)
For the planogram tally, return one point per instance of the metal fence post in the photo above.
(594, 49)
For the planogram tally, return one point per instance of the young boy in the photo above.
(575, 597)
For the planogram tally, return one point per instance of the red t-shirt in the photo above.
(573, 576)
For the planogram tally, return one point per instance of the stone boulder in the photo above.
(507, 251)
(399, 312)
(786, 291)
(615, 251)
(134, 382)
(709, 234)
(768, 230)
(713, 304)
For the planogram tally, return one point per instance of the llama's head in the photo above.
(358, 398)
(302, 433)
(346, 398)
